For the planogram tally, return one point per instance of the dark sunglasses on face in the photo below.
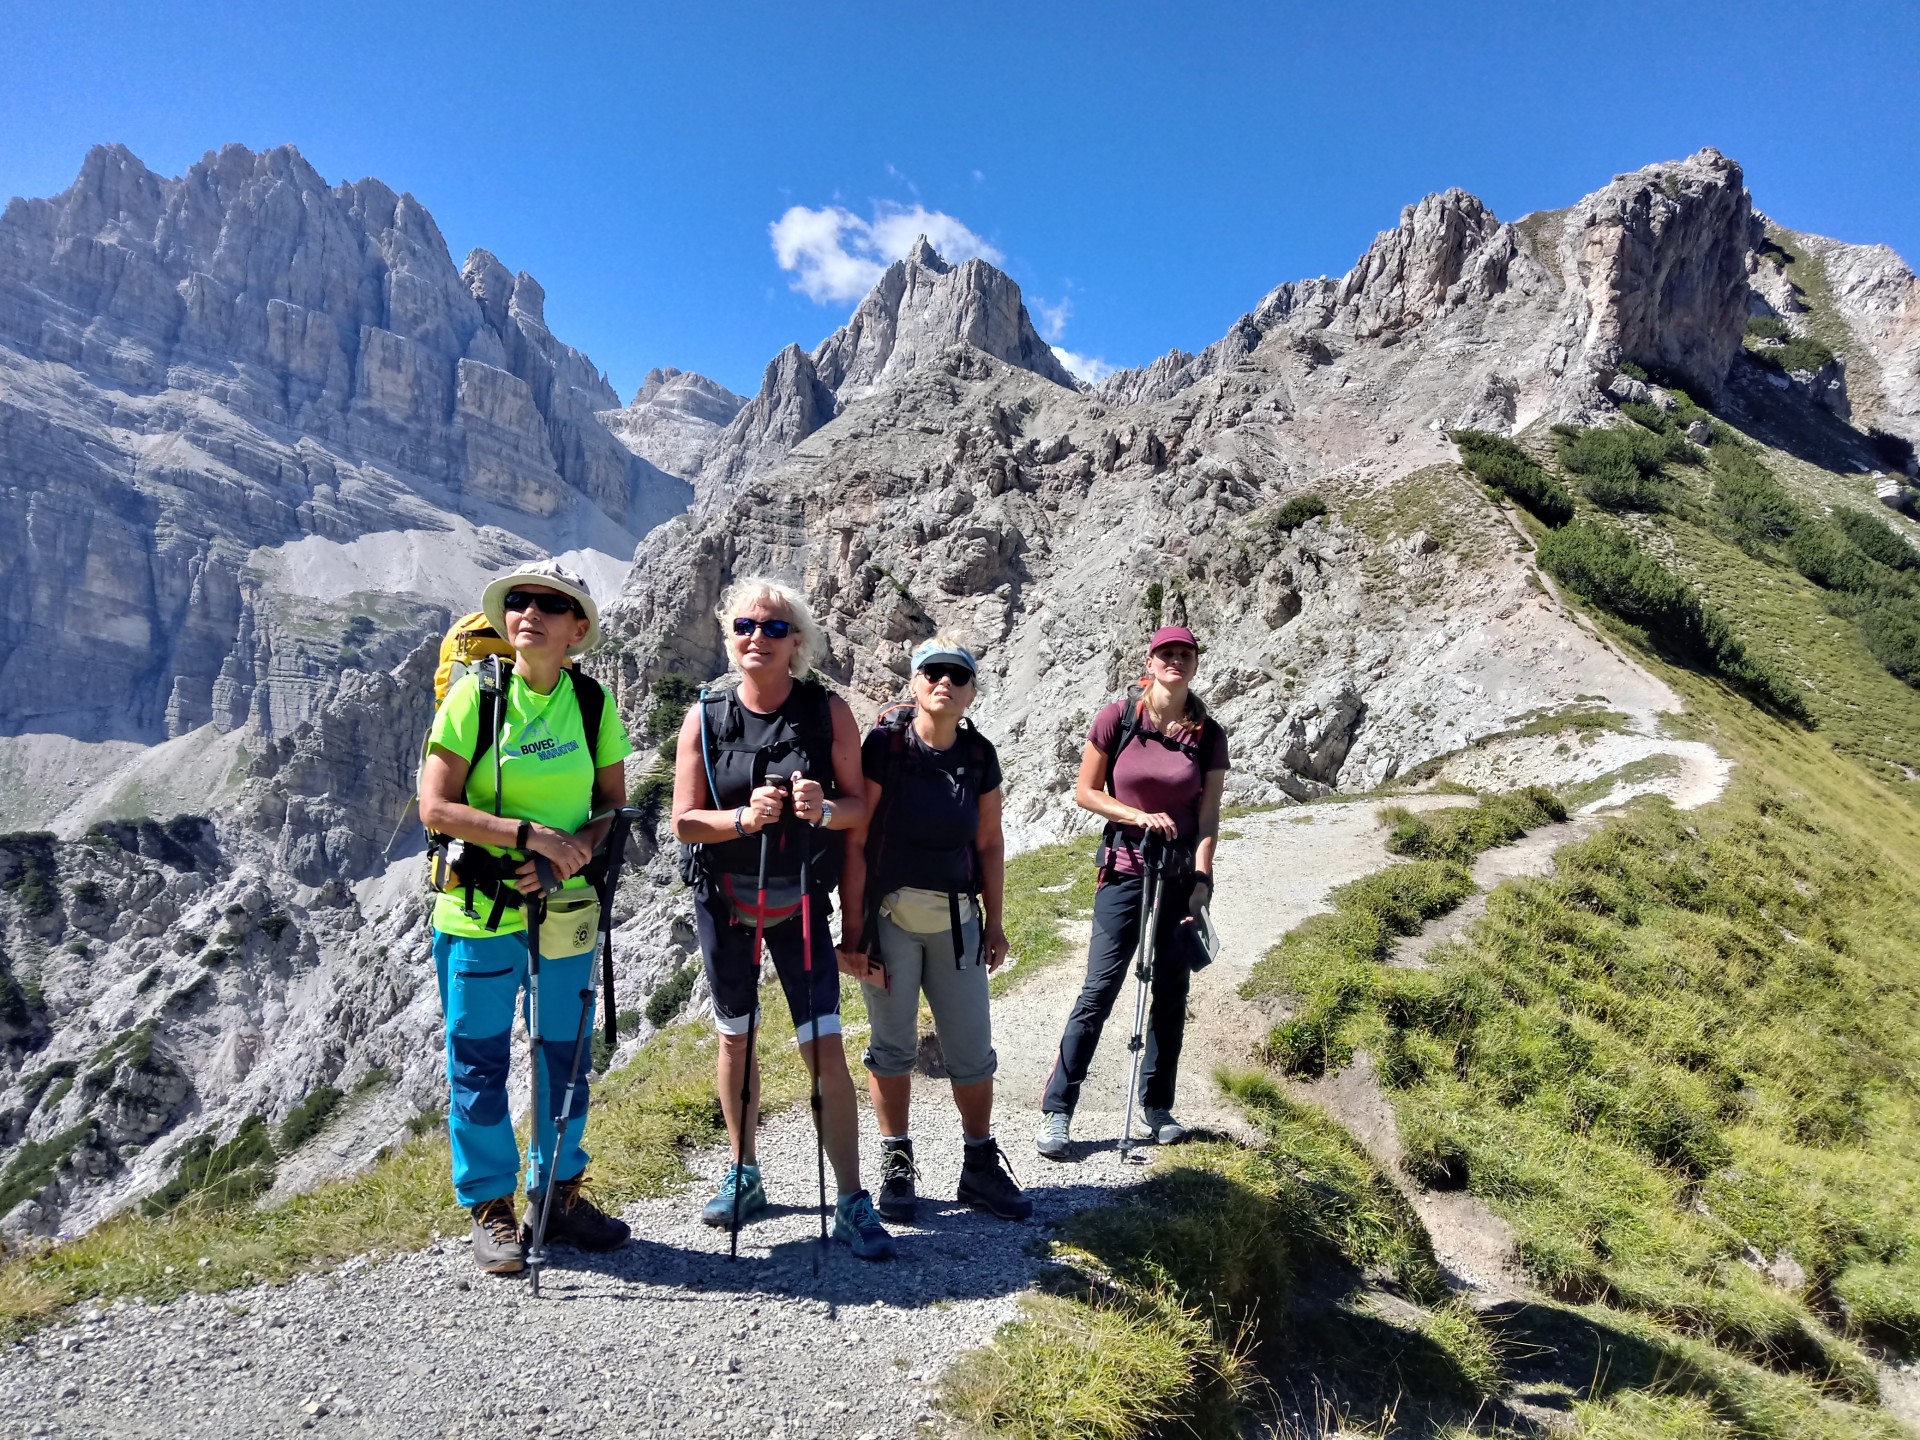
(744, 626)
(957, 675)
(518, 600)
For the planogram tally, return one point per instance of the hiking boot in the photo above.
(496, 1238)
(897, 1199)
(987, 1183)
(1162, 1128)
(753, 1196)
(575, 1220)
(859, 1229)
(1053, 1139)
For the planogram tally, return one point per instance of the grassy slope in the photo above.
(1690, 1056)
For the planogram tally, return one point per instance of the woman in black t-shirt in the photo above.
(922, 900)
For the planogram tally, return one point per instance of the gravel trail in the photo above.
(669, 1336)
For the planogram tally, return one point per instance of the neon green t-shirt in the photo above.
(546, 772)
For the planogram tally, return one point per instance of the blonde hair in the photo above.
(757, 589)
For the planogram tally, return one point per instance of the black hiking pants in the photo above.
(1119, 913)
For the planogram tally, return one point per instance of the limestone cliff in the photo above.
(193, 369)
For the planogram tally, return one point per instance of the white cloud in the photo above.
(1084, 367)
(1052, 318)
(835, 255)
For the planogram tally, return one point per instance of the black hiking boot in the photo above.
(897, 1200)
(496, 1238)
(577, 1221)
(987, 1183)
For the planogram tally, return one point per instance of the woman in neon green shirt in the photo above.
(551, 778)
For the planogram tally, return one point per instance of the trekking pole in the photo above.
(615, 842)
(1151, 850)
(746, 1073)
(537, 1255)
(806, 983)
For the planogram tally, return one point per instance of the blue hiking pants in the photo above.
(482, 982)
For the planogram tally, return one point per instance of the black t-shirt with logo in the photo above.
(930, 820)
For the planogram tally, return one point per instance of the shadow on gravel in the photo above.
(952, 1252)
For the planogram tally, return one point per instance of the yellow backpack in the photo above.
(468, 641)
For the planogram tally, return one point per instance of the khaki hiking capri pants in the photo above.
(957, 995)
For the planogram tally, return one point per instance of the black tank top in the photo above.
(744, 747)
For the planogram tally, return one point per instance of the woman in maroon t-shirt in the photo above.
(1166, 779)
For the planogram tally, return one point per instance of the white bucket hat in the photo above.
(554, 576)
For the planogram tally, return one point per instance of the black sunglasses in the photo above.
(518, 600)
(744, 626)
(956, 674)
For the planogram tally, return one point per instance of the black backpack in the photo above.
(721, 729)
(895, 723)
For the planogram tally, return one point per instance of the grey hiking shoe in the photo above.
(856, 1226)
(987, 1183)
(897, 1200)
(496, 1238)
(1053, 1139)
(753, 1196)
(1162, 1128)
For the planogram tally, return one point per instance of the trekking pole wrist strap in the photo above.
(520, 835)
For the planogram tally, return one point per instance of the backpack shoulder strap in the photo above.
(591, 696)
(1129, 727)
(494, 680)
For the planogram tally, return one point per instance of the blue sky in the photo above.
(1147, 172)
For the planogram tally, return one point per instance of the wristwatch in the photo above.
(826, 815)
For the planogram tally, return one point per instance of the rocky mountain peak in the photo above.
(1408, 272)
(1659, 258)
(675, 419)
(922, 306)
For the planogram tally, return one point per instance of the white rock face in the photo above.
(241, 357)
(675, 419)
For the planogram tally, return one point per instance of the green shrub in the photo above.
(650, 795)
(1893, 451)
(33, 1164)
(1297, 511)
(1756, 505)
(30, 871)
(668, 1000)
(275, 923)
(1891, 630)
(88, 892)
(376, 1078)
(1153, 601)
(1634, 372)
(1496, 461)
(1875, 539)
(1799, 353)
(1823, 554)
(308, 1118)
(1767, 327)
(1607, 567)
(1621, 468)
(218, 1177)
(1461, 832)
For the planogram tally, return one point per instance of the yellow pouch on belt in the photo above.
(924, 912)
(571, 924)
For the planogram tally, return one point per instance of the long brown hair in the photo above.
(1192, 722)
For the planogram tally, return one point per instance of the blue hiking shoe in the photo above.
(856, 1226)
(753, 1196)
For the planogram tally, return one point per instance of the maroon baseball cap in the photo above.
(1173, 635)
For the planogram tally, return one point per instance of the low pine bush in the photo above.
(1496, 461)
(1874, 539)
(1609, 568)
(1622, 468)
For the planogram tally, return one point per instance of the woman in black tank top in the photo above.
(775, 761)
